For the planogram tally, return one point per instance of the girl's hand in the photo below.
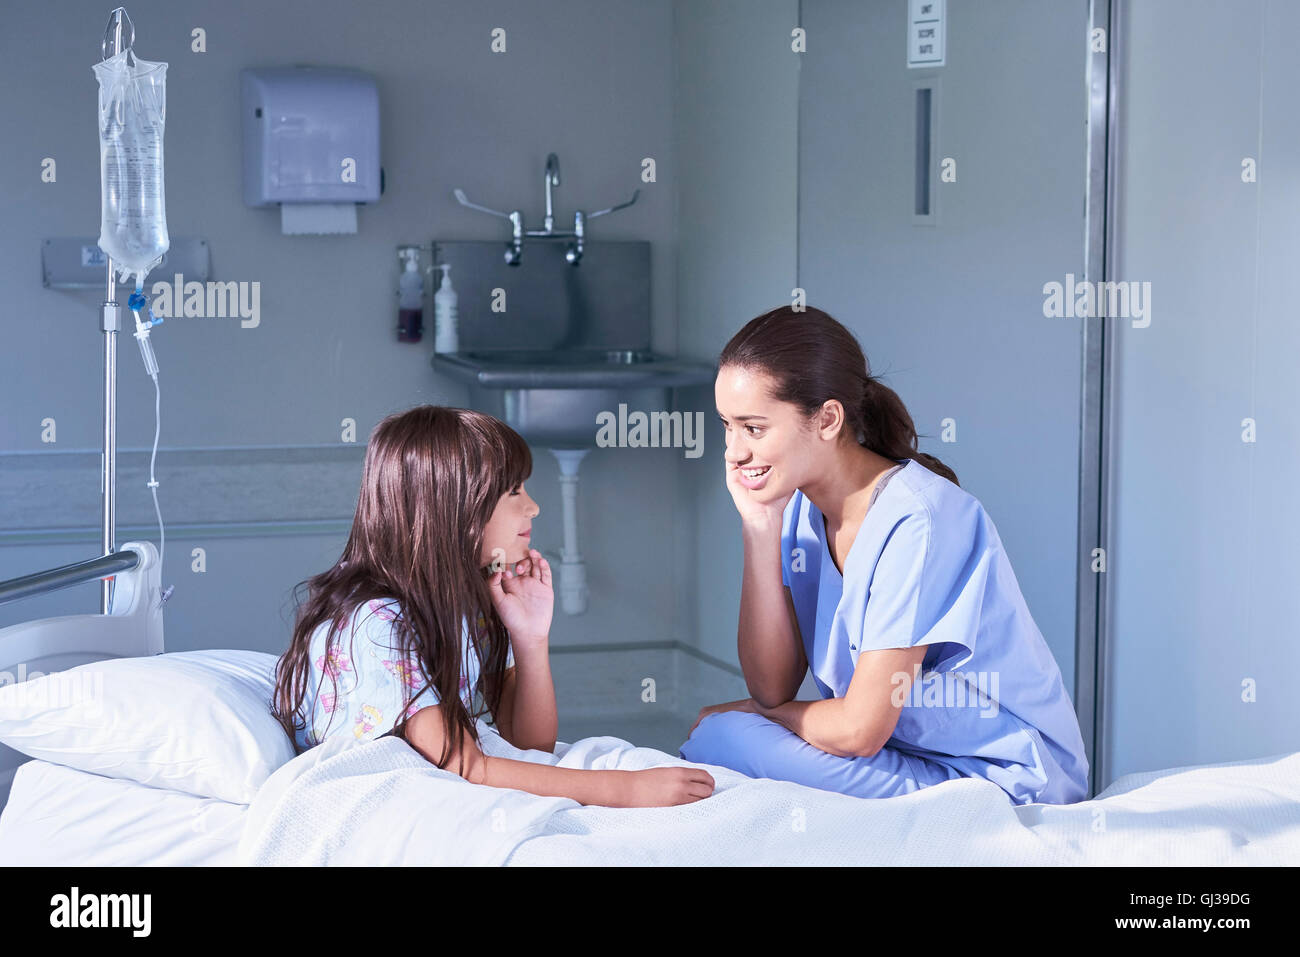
(666, 787)
(523, 597)
(753, 513)
(745, 704)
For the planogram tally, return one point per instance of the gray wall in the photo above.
(589, 79)
(1203, 566)
(736, 107)
(951, 314)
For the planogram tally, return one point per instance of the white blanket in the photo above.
(381, 803)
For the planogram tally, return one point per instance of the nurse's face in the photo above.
(771, 444)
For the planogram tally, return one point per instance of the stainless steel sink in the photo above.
(552, 397)
(571, 369)
(563, 357)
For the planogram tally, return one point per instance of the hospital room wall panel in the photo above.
(1202, 564)
(735, 123)
(588, 79)
(951, 313)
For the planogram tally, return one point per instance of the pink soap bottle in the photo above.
(410, 297)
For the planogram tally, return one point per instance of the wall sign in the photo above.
(925, 39)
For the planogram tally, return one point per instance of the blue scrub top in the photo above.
(927, 568)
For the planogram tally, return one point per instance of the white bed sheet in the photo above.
(58, 816)
(1239, 813)
(381, 803)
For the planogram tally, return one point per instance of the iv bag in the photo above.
(133, 216)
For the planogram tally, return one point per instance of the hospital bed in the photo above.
(221, 789)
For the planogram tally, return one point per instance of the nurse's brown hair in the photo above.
(811, 358)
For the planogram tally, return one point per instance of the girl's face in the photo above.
(770, 442)
(506, 536)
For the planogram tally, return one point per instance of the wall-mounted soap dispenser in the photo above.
(446, 337)
(410, 295)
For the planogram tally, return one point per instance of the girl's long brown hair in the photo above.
(432, 479)
(812, 358)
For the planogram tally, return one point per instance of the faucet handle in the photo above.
(635, 194)
(460, 195)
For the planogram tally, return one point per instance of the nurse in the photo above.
(866, 562)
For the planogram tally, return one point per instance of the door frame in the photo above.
(1093, 647)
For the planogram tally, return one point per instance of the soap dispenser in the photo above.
(410, 297)
(444, 314)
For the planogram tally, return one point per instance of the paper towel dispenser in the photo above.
(311, 135)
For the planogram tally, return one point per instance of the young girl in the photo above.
(440, 539)
(866, 561)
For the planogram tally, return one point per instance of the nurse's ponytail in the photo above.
(812, 359)
(885, 417)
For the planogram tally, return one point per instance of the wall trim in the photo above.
(1092, 642)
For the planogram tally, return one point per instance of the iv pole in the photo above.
(135, 612)
(110, 324)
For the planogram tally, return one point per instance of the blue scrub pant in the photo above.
(761, 748)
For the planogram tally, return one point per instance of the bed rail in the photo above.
(132, 628)
(66, 576)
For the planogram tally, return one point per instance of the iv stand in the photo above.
(110, 324)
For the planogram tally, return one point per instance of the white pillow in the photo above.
(192, 721)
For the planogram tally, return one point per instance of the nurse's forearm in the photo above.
(766, 642)
(824, 724)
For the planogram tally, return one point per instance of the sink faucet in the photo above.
(552, 178)
(514, 249)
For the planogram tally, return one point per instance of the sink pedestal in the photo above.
(573, 570)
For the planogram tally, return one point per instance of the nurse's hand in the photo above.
(762, 515)
(745, 704)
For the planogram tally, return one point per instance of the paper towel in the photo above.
(303, 218)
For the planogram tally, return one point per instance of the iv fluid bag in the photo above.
(133, 216)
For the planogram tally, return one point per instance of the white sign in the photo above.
(925, 37)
